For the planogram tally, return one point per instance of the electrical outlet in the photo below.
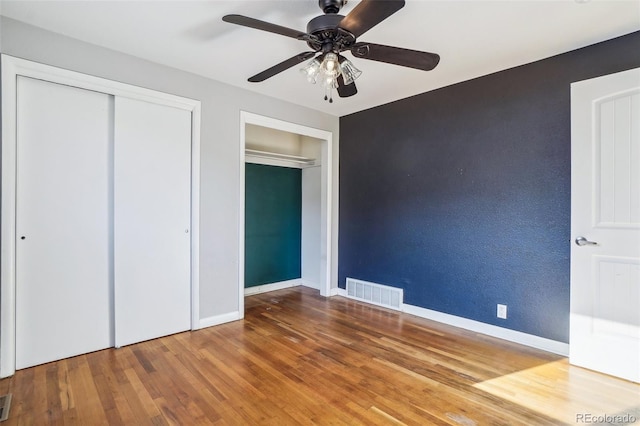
(502, 311)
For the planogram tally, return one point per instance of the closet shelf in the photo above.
(277, 156)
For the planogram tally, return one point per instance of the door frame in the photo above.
(12, 68)
(326, 139)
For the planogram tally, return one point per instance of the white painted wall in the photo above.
(312, 213)
(220, 139)
(311, 148)
(272, 140)
(311, 226)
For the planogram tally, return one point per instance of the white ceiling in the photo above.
(473, 38)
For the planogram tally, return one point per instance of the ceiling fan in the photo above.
(331, 34)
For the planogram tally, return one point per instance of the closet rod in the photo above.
(278, 156)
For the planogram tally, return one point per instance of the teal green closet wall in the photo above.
(273, 224)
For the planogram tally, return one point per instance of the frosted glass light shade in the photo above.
(349, 72)
(311, 71)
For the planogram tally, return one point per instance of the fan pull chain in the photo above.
(328, 97)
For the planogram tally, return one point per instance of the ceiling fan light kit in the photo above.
(334, 71)
(329, 35)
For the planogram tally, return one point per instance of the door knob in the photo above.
(582, 241)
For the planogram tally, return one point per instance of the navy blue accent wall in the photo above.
(273, 224)
(461, 196)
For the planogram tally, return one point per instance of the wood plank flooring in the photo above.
(301, 359)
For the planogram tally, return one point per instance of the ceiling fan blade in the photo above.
(282, 66)
(264, 26)
(369, 13)
(346, 90)
(396, 55)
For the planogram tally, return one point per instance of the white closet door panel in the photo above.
(63, 263)
(152, 220)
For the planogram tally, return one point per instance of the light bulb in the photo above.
(329, 65)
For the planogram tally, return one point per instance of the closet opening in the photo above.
(285, 207)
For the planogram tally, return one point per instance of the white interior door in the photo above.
(63, 261)
(152, 220)
(605, 222)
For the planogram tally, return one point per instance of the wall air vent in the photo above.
(5, 404)
(377, 294)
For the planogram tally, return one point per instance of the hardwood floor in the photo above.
(299, 358)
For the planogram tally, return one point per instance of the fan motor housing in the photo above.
(325, 30)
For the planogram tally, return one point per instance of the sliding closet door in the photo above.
(63, 261)
(152, 220)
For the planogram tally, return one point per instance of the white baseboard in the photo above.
(310, 285)
(220, 319)
(526, 339)
(235, 316)
(272, 287)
